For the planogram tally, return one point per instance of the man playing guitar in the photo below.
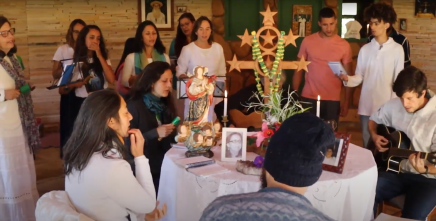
(414, 113)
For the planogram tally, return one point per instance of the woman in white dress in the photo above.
(18, 135)
(202, 51)
(62, 58)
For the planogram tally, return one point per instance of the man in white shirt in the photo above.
(412, 112)
(378, 65)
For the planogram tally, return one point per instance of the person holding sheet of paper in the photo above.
(321, 48)
(378, 65)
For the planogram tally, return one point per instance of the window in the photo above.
(349, 13)
(352, 10)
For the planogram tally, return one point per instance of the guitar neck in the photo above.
(405, 153)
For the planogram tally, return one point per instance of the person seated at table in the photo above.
(243, 97)
(293, 162)
(412, 112)
(95, 169)
(151, 106)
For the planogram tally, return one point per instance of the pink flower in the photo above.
(264, 126)
(260, 138)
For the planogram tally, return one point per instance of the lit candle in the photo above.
(225, 103)
(317, 106)
(367, 29)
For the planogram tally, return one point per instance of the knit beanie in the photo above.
(296, 151)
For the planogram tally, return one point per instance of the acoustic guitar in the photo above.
(241, 120)
(400, 147)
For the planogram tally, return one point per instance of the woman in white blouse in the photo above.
(202, 51)
(63, 57)
(18, 134)
(92, 64)
(149, 48)
(99, 182)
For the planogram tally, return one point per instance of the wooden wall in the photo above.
(41, 26)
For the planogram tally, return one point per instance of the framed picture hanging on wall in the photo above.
(425, 8)
(160, 12)
(302, 20)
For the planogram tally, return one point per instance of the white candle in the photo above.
(367, 29)
(317, 106)
(225, 103)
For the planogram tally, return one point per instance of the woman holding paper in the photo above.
(19, 136)
(63, 57)
(152, 109)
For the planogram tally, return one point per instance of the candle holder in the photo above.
(225, 120)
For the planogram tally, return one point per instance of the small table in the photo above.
(347, 196)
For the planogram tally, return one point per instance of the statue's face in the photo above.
(209, 142)
(199, 74)
(217, 127)
(183, 129)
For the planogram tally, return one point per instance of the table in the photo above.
(347, 196)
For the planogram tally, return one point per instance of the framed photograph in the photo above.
(425, 8)
(302, 20)
(335, 155)
(403, 24)
(233, 144)
(160, 12)
(181, 9)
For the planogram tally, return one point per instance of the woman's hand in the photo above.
(343, 77)
(136, 142)
(12, 94)
(165, 130)
(156, 214)
(95, 47)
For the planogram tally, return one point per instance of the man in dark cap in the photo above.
(293, 162)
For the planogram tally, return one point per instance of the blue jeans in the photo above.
(420, 193)
(364, 127)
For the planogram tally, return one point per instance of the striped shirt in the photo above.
(402, 40)
(268, 204)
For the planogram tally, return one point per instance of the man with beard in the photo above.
(156, 15)
(293, 162)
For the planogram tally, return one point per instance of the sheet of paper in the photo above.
(187, 162)
(208, 170)
(337, 67)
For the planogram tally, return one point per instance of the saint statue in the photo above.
(199, 90)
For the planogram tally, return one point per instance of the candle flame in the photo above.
(225, 93)
(318, 97)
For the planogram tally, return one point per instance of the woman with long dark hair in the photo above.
(183, 38)
(152, 109)
(99, 182)
(202, 51)
(63, 57)
(129, 47)
(92, 64)
(19, 136)
(149, 48)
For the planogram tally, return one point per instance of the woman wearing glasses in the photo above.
(149, 49)
(152, 109)
(18, 134)
(63, 57)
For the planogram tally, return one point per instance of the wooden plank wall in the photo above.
(41, 26)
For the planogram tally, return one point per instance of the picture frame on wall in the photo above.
(233, 144)
(335, 155)
(403, 24)
(160, 12)
(302, 20)
(425, 8)
(181, 9)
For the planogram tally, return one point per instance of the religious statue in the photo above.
(199, 90)
(199, 139)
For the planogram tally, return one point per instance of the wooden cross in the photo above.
(268, 22)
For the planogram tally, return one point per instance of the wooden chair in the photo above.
(398, 203)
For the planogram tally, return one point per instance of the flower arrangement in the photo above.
(274, 105)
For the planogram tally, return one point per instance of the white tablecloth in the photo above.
(348, 196)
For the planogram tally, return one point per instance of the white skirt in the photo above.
(18, 193)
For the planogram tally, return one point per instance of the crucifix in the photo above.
(267, 52)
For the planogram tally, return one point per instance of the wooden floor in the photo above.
(49, 165)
